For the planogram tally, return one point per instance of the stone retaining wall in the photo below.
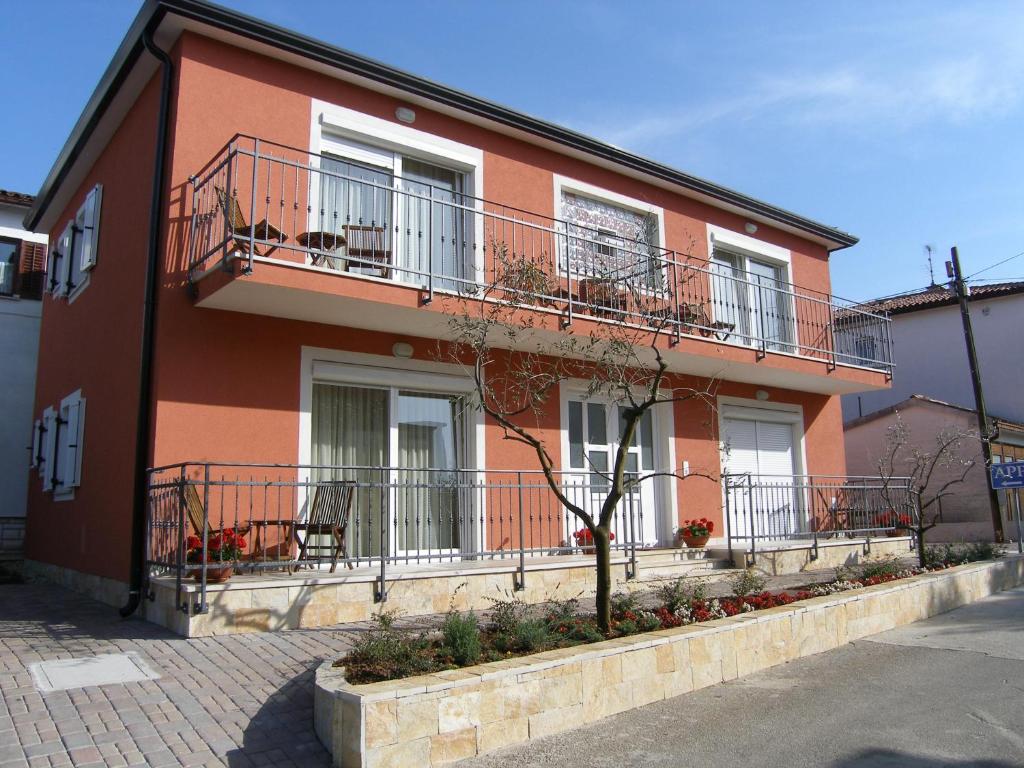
(435, 719)
(830, 553)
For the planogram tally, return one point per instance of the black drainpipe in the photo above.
(138, 576)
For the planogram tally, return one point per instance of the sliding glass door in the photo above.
(435, 227)
(408, 451)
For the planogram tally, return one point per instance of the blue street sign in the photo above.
(1009, 474)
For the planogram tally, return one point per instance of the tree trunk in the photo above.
(920, 547)
(602, 549)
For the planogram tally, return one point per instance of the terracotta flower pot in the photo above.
(213, 575)
(695, 541)
(589, 550)
(893, 533)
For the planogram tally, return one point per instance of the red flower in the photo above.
(194, 542)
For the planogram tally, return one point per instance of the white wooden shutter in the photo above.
(90, 223)
(33, 460)
(49, 448)
(70, 456)
(60, 262)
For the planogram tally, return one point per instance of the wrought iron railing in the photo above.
(258, 200)
(779, 508)
(12, 535)
(397, 517)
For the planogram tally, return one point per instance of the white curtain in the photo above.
(350, 429)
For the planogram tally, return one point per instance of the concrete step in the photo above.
(669, 566)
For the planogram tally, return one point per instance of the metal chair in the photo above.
(328, 516)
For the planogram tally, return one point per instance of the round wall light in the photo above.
(750, 227)
(405, 115)
(402, 349)
(762, 394)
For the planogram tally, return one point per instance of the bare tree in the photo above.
(511, 335)
(933, 472)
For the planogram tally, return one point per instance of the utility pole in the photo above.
(953, 271)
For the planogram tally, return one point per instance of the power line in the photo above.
(993, 266)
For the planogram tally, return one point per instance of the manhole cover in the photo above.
(106, 669)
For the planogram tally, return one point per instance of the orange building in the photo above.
(259, 241)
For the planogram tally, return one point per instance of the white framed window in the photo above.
(750, 290)
(75, 255)
(609, 235)
(57, 445)
(403, 200)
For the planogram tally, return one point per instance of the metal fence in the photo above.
(778, 508)
(260, 200)
(12, 535)
(397, 517)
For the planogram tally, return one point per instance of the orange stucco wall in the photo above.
(93, 343)
(227, 385)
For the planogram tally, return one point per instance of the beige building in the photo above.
(963, 513)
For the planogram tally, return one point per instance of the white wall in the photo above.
(931, 359)
(19, 345)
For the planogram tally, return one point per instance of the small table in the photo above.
(325, 245)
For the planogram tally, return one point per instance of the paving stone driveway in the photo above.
(243, 700)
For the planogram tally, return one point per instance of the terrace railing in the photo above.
(398, 517)
(258, 201)
(780, 508)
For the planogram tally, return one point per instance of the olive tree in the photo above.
(512, 336)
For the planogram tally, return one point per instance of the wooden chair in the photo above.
(241, 231)
(367, 248)
(328, 516)
(195, 512)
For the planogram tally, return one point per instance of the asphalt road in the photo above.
(941, 693)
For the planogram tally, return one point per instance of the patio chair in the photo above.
(195, 512)
(241, 231)
(367, 248)
(328, 516)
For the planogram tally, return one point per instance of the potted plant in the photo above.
(893, 522)
(695, 533)
(224, 549)
(585, 540)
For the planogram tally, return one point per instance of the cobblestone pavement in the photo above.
(242, 700)
(235, 700)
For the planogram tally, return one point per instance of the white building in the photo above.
(931, 357)
(22, 271)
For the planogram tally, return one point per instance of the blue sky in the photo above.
(901, 123)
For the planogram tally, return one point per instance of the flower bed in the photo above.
(387, 652)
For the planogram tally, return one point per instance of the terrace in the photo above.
(373, 534)
(259, 205)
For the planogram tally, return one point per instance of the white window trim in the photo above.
(332, 120)
(362, 369)
(574, 186)
(758, 410)
(664, 452)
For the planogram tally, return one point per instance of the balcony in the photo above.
(358, 232)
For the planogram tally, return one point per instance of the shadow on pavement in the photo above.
(891, 758)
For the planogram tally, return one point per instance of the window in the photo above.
(609, 239)
(8, 266)
(400, 215)
(751, 295)
(75, 254)
(57, 442)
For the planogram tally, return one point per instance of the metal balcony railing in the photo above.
(779, 508)
(395, 517)
(258, 200)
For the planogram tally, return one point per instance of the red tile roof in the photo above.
(15, 198)
(938, 296)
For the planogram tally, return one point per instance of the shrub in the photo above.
(623, 602)
(506, 614)
(748, 582)
(386, 652)
(461, 637)
(682, 592)
(531, 635)
(883, 568)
